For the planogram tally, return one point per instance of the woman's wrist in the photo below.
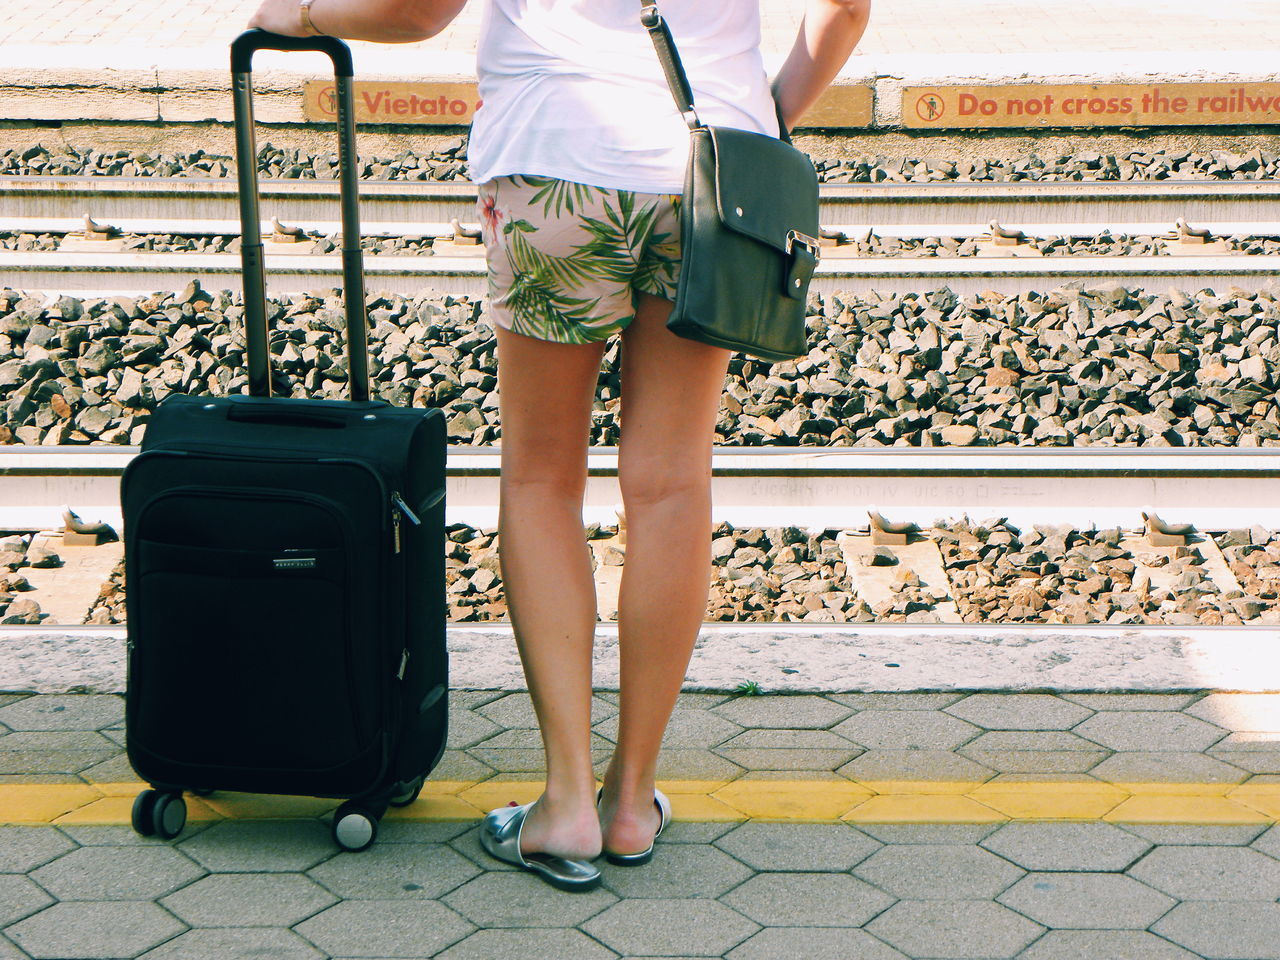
(305, 14)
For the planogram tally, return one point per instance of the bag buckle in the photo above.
(795, 238)
(649, 15)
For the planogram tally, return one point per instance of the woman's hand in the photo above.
(279, 16)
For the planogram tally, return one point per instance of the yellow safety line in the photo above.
(749, 797)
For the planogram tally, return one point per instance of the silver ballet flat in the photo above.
(500, 836)
(644, 856)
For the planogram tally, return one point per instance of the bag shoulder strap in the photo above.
(677, 79)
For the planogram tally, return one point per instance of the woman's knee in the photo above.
(663, 483)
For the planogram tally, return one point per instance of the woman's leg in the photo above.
(671, 389)
(545, 393)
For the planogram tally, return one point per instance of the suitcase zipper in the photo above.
(398, 506)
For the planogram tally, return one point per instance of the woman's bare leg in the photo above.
(545, 393)
(671, 389)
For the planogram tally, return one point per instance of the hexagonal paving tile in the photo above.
(1036, 751)
(1052, 845)
(954, 928)
(687, 728)
(1132, 701)
(906, 729)
(1019, 711)
(20, 897)
(1232, 711)
(813, 943)
(677, 870)
(117, 873)
(794, 711)
(395, 872)
(261, 846)
(926, 871)
(68, 931)
(248, 900)
(1197, 834)
(1150, 731)
(1217, 928)
(1171, 767)
(779, 749)
(896, 701)
(467, 728)
(516, 710)
(1113, 944)
(385, 929)
(1086, 901)
(53, 751)
(73, 711)
(25, 848)
(519, 899)
(1210, 873)
(807, 900)
(1268, 841)
(545, 944)
(797, 846)
(230, 943)
(915, 765)
(670, 928)
(519, 750)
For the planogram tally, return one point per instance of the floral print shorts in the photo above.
(567, 261)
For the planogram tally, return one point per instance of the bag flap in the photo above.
(765, 188)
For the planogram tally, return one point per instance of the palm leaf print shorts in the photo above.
(567, 261)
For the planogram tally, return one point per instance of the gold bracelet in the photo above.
(304, 11)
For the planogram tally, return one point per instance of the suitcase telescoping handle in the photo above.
(251, 258)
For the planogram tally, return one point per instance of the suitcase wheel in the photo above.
(354, 827)
(406, 793)
(160, 814)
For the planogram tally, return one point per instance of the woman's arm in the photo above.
(828, 33)
(382, 21)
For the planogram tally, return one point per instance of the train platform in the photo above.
(872, 824)
(81, 60)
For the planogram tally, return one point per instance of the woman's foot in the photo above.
(569, 831)
(628, 827)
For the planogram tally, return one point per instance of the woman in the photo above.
(579, 154)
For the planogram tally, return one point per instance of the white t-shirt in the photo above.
(574, 89)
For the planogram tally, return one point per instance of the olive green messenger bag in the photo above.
(748, 228)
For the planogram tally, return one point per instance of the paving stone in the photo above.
(10, 951)
(895, 701)
(1204, 834)
(693, 764)
(115, 769)
(813, 943)
(516, 710)
(20, 897)
(385, 929)
(8, 698)
(117, 873)
(687, 728)
(925, 871)
(84, 929)
(519, 750)
(395, 872)
(779, 749)
(546, 944)
(1034, 751)
(1162, 767)
(1210, 873)
(954, 928)
(1086, 901)
(1111, 944)
(677, 870)
(53, 751)
(795, 846)
(1019, 711)
(261, 846)
(460, 765)
(1222, 930)
(114, 734)
(231, 943)
(1132, 701)
(25, 848)
(928, 832)
(467, 728)
(470, 699)
(106, 835)
(694, 831)
(792, 711)
(1231, 711)
(807, 900)
(519, 899)
(914, 765)
(670, 928)
(248, 900)
(1150, 731)
(422, 831)
(1053, 845)
(906, 730)
(76, 711)
(1253, 760)
(1268, 841)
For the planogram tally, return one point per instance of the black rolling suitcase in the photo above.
(285, 565)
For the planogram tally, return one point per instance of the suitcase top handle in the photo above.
(248, 43)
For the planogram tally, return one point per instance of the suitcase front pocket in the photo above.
(243, 658)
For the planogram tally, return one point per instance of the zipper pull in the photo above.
(395, 527)
(404, 663)
(404, 507)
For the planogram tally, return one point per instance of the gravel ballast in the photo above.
(449, 163)
(1095, 367)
